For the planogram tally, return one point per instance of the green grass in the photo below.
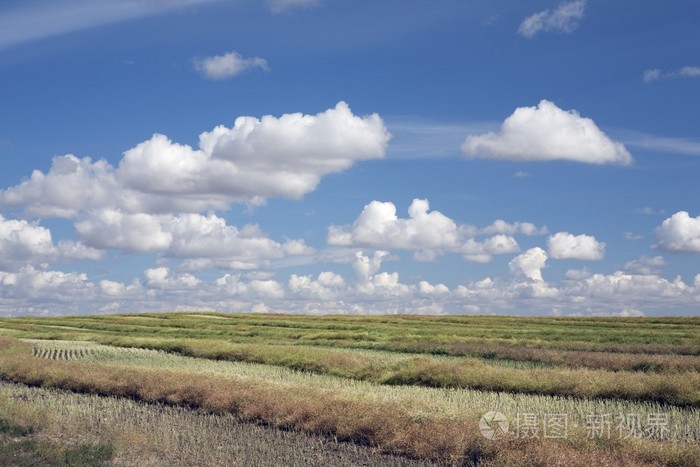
(575, 333)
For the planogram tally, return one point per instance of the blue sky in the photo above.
(355, 157)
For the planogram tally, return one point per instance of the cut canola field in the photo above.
(155, 434)
(656, 360)
(683, 423)
(415, 386)
(434, 424)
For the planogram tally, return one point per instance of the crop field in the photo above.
(234, 389)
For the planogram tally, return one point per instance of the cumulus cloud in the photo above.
(371, 284)
(23, 242)
(623, 287)
(645, 265)
(564, 18)
(679, 233)
(546, 133)
(70, 186)
(256, 288)
(285, 156)
(378, 226)
(279, 6)
(196, 236)
(206, 241)
(500, 226)
(327, 286)
(112, 288)
(227, 65)
(130, 232)
(564, 245)
(482, 251)
(655, 74)
(30, 283)
(365, 266)
(255, 159)
(426, 233)
(529, 264)
(162, 278)
(581, 292)
(429, 290)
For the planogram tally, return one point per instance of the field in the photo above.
(224, 389)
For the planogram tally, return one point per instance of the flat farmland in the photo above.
(351, 390)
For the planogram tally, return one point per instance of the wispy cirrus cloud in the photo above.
(414, 138)
(655, 74)
(280, 6)
(563, 19)
(47, 18)
(227, 65)
(665, 144)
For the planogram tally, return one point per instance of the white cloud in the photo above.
(577, 274)
(162, 278)
(655, 74)
(20, 240)
(427, 233)
(365, 266)
(130, 232)
(621, 287)
(47, 18)
(328, 286)
(581, 292)
(378, 226)
(279, 6)
(481, 252)
(232, 285)
(647, 211)
(373, 285)
(257, 158)
(645, 265)
(679, 233)
(529, 264)
(652, 75)
(430, 290)
(500, 226)
(564, 19)
(22, 243)
(112, 288)
(564, 245)
(631, 312)
(632, 236)
(546, 133)
(285, 156)
(664, 144)
(690, 71)
(228, 65)
(266, 288)
(71, 185)
(45, 286)
(196, 236)
(420, 139)
(206, 241)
